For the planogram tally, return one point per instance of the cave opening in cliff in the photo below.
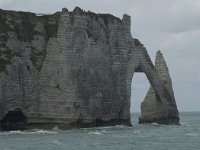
(139, 88)
(13, 120)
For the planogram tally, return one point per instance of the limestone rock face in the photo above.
(154, 110)
(68, 69)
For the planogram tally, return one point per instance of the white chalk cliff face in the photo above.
(70, 69)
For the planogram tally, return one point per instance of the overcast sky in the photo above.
(172, 26)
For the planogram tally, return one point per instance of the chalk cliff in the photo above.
(69, 69)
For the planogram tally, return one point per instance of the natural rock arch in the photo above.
(40, 73)
(159, 104)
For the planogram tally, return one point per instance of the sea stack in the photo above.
(152, 108)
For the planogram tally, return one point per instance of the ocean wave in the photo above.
(95, 133)
(56, 142)
(28, 132)
(155, 124)
(55, 128)
(137, 131)
(191, 134)
(184, 123)
(114, 127)
(46, 132)
(106, 128)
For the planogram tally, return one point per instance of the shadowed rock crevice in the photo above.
(13, 120)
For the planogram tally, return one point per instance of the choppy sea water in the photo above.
(138, 137)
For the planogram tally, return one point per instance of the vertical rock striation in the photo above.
(154, 110)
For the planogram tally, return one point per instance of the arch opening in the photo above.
(139, 87)
(13, 120)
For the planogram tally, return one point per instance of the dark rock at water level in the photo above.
(73, 69)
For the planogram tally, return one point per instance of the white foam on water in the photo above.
(104, 131)
(56, 142)
(183, 123)
(11, 132)
(109, 127)
(137, 131)
(95, 133)
(45, 132)
(122, 126)
(55, 128)
(156, 124)
(28, 132)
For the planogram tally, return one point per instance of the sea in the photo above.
(139, 137)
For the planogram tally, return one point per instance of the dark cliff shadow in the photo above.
(13, 120)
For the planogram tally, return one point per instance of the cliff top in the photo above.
(76, 11)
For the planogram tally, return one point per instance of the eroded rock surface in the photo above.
(152, 108)
(68, 69)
